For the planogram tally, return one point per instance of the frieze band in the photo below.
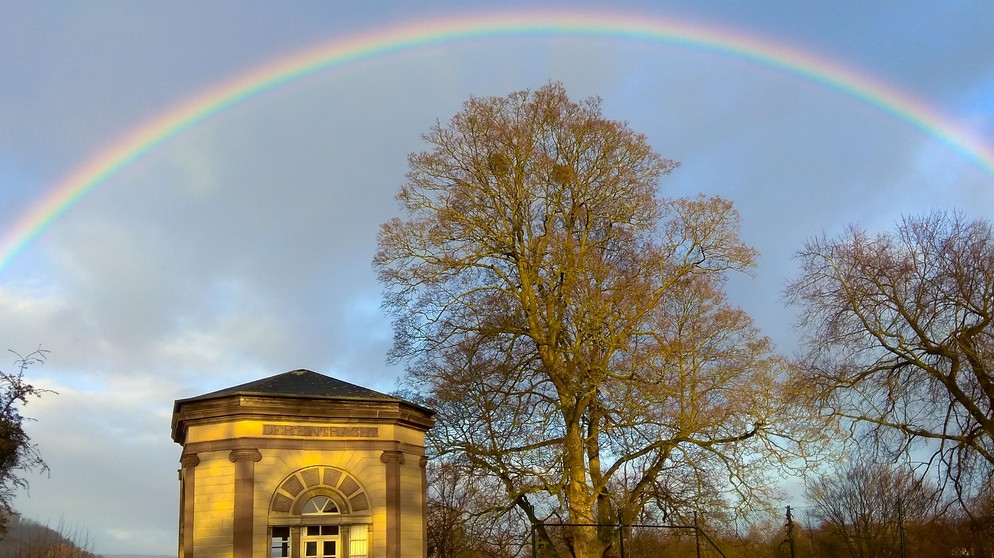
(321, 431)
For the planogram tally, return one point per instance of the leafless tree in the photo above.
(899, 338)
(570, 326)
(867, 504)
(466, 517)
(17, 453)
(447, 512)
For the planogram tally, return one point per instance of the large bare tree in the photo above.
(570, 326)
(899, 337)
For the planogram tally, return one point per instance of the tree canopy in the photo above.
(899, 339)
(570, 325)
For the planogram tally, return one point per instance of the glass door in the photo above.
(320, 541)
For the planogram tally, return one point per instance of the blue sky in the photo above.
(242, 247)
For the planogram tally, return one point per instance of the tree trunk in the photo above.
(586, 543)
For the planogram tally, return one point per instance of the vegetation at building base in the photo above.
(839, 526)
(866, 509)
(944, 533)
(570, 326)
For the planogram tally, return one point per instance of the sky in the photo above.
(219, 204)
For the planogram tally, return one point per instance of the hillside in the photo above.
(28, 539)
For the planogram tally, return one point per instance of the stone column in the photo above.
(244, 514)
(188, 478)
(393, 461)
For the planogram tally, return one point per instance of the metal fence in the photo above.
(637, 540)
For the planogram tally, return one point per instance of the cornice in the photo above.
(249, 407)
(262, 444)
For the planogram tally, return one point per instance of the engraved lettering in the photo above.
(320, 431)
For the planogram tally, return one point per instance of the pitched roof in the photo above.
(299, 383)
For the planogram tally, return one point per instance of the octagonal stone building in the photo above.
(301, 465)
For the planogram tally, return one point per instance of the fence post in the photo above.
(790, 532)
(621, 536)
(697, 535)
(900, 524)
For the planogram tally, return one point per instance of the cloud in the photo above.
(107, 461)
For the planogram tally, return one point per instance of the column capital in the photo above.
(244, 455)
(392, 456)
(189, 460)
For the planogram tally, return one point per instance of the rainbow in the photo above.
(417, 34)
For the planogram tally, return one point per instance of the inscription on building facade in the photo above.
(320, 431)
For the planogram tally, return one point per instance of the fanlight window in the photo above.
(320, 504)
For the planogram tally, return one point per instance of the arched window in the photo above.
(319, 505)
(314, 510)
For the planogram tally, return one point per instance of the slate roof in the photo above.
(299, 383)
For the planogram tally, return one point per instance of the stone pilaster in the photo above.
(241, 533)
(188, 488)
(393, 460)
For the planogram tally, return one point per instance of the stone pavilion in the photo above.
(301, 465)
